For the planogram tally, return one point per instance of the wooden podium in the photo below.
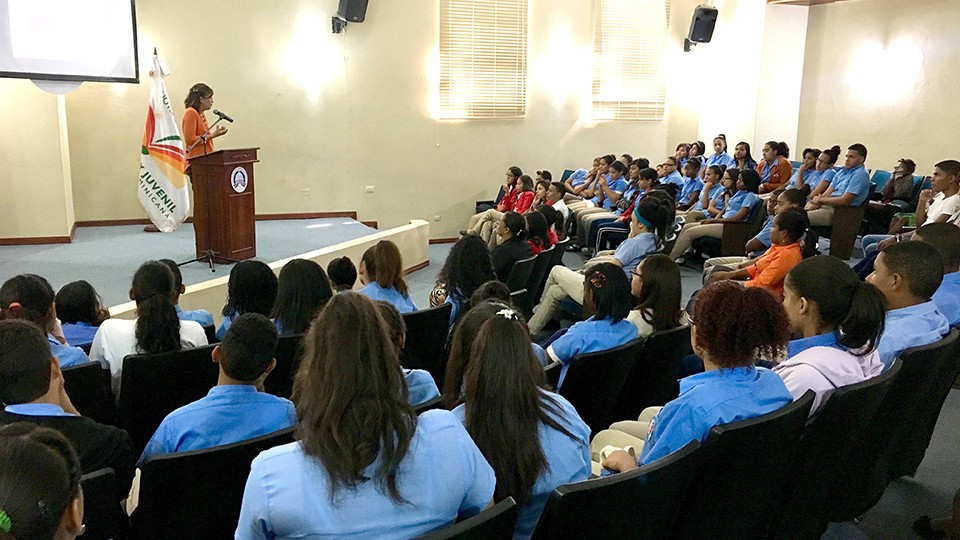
(223, 211)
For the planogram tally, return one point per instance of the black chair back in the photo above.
(737, 494)
(523, 301)
(594, 381)
(103, 515)
(825, 447)
(654, 377)
(197, 494)
(152, 386)
(426, 342)
(88, 386)
(541, 267)
(494, 523)
(211, 332)
(280, 380)
(520, 273)
(558, 250)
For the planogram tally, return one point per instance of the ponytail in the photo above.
(861, 329)
(158, 327)
(515, 223)
(388, 266)
(651, 213)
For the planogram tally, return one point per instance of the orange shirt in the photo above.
(780, 174)
(772, 267)
(193, 126)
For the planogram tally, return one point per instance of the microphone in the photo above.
(222, 115)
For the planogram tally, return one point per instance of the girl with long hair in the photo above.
(720, 157)
(538, 233)
(512, 230)
(656, 288)
(467, 267)
(302, 291)
(194, 125)
(741, 157)
(252, 288)
(381, 272)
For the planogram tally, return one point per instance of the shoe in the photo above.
(463, 232)
(151, 228)
(573, 248)
(680, 260)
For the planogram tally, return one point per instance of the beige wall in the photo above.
(884, 73)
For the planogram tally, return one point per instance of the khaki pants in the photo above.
(692, 231)
(821, 217)
(712, 264)
(485, 226)
(585, 218)
(561, 282)
(622, 434)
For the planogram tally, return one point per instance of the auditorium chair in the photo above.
(211, 332)
(103, 515)
(520, 273)
(541, 268)
(733, 241)
(523, 301)
(280, 380)
(88, 386)
(653, 380)
(425, 346)
(494, 523)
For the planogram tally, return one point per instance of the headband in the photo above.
(643, 221)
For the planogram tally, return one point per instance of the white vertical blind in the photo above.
(483, 58)
(629, 44)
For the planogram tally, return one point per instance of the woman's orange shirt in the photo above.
(193, 126)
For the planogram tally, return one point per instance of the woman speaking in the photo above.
(194, 125)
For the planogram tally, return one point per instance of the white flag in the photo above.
(163, 189)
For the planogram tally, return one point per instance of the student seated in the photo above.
(775, 169)
(533, 438)
(80, 310)
(711, 197)
(342, 274)
(39, 484)
(732, 328)
(381, 272)
(850, 187)
(908, 274)
(668, 172)
(692, 185)
(467, 267)
(31, 386)
(509, 193)
(720, 157)
(742, 159)
(155, 330)
(579, 180)
(236, 409)
(30, 297)
(656, 288)
(606, 294)
(420, 383)
(302, 291)
(201, 316)
(491, 290)
(609, 190)
(590, 188)
(840, 319)
(539, 235)
(485, 227)
(365, 464)
(945, 238)
(512, 230)
(252, 288)
(556, 192)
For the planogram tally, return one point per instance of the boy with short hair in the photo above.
(31, 298)
(342, 274)
(945, 238)
(201, 316)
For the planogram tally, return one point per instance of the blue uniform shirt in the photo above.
(591, 335)
(228, 414)
(421, 385)
(829, 339)
(402, 302)
(689, 187)
(36, 409)
(67, 355)
(225, 324)
(632, 250)
(711, 195)
(764, 235)
(443, 476)
(912, 326)
(79, 333)
(855, 180)
(618, 185)
(740, 199)
(723, 159)
(568, 460)
(709, 399)
(578, 177)
(947, 298)
(673, 178)
(201, 316)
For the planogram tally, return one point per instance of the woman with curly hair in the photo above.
(467, 267)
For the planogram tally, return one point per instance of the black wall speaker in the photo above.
(701, 27)
(355, 10)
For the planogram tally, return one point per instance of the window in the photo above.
(483, 58)
(628, 56)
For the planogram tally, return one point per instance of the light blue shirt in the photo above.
(578, 177)
(79, 333)
(709, 399)
(455, 299)
(723, 159)
(673, 178)
(764, 235)
(36, 409)
(689, 187)
(826, 176)
(740, 199)
(227, 414)
(855, 180)
(402, 302)
(421, 385)
(947, 298)
(201, 316)
(568, 460)
(225, 324)
(829, 339)
(591, 335)
(766, 170)
(443, 476)
(712, 195)
(67, 355)
(632, 250)
(811, 177)
(912, 326)
(618, 186)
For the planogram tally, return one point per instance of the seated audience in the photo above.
(468, 266)
(712, 194)
(381, 272)
(840, 319)
(733, 327)
(908, 274)
(507, 200)
(644, 180)
(579, 180)
(606, 294)
(894, 197)
(945, 238)
(420, 384)
(40, 495)
(807, 176)
(533, 438)
(513, 245)
(486, 225)
(656, 288)
(742, 160)
(850, 187)
(155, 330)
(252, 288)
(31, 386)
(692, 185)
(491, 290)
(556, 193)
(555, 222)
(236, 409)
(80, 310)
(697, 148)
(668, 172)
(364, 465)
(201, 316)
(720, 157)
(681, 153)
(539, 235)
(30, 297)
(302, 291)
(775, 169)
(825, 164)
(591, 186)
(342, 274)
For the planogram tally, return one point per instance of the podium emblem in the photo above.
(238, 179)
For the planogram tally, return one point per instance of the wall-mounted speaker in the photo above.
(701, 26)
(352, 10)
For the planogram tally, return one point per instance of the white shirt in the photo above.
(561, 207)
(117, 338)
(940, 205)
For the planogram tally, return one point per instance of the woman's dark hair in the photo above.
(649, 174)
(652, 210)
(393, 323)
(683, 145)
(628, 156)
(748, 158)
(342, 272)
(78, 302)
(384, 265)
(33, 293)
(610, 159)
(909, 166)
(659, 301)
(526, 183)
(351, 397)
(734, 175)
(853, 308)
(609, 290)
(461, 340)
(693, 163)
(515, 223)
(505, 404)
(552, 216)
(491, 290)
(302, 291)
(467, 267)
(736, 324)
(833, 153)
(544, 183)
(641, 163)
(779, 148)
(751, 180)
(700, 146)
(516, 172)
(197, 92)
(537, 229)
(717, 170)
(723, 138)
(252, 288)
(158, 327)
(619, 167)
(793, 223)
(814, 151)
(39, 479)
